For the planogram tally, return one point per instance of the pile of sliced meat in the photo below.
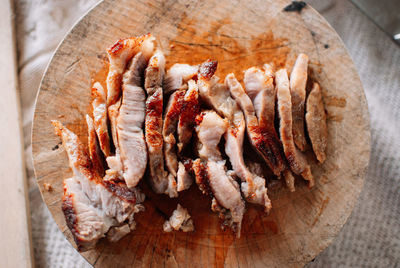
(185, 125)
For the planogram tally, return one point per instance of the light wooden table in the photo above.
(15, 250)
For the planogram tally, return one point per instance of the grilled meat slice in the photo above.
(252, 186)
(316, 123)
(90, 205)
(155, 71)
(85, 221)
(227, 193)
(260, 88)
(218, 96)
(190, 109)
(296, 159)
(178, 75)
(119, 56)
(160, 180)
(171, 118)
(262, 143)
(211, 174)
(96, 156)
(132, 146)
(100, 117)
(298, 80)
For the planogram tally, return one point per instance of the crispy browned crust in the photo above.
(153, 124)
(268, 145)
(118, 47)
(208, 68)
(190, 109)
(95, 153)
(102, 133)
(201, 175)
(120, 190)
(72, 222)
(175, 109)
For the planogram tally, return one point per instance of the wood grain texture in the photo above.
(15, 247)
(238, 34)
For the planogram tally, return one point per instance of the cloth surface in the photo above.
(371, 236)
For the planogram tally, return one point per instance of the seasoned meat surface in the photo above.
(316, 123)
(92, 206)
(298, 80)
(189, 110)
(160, 180)
(296, 159)
(262, 143)
(130, 121)
(100, 116)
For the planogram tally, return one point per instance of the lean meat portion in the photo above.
(160, 180)
(218, 97)
(130, 120)
(262, 143)
(296, 159)
(100, 116)
(119, 56)
(92, 206)
(211, 173)
(316, 123)
(298, 81)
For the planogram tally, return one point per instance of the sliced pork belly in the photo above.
(211, 174)
(171, 118)
(130, 120)
(226, 191)
(90, 205)
(160, 180)
(190, 109)
(119, 56)
(252, 186)
(296, 159)
(179, 220)
(218, 96)
(178, 75)
(262, 143)
(261, 90)
(316, 123)
(96, 156)
(100, 117)
(298, 80)
(212, 93)
(85, 222)
(155, 72)
(113, 112)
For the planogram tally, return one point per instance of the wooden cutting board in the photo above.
(239, 34)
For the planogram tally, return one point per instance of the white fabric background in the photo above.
(370, 238)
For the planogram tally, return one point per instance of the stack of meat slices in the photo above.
(197, 137)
